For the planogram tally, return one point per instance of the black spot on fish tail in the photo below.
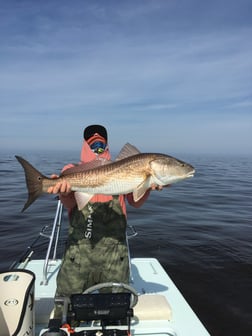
(34, 181)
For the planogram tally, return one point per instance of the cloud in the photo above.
(124, 63)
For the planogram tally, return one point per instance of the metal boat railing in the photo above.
(53, 240)
(51, 252)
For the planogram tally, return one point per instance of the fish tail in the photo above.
(34, 181)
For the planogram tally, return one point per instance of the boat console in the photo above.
(106, 309)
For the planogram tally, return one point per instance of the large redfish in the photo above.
(131, 172)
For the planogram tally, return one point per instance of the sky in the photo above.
(165, 75)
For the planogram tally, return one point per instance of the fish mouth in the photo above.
(190, 174)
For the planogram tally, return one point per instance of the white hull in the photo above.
(161, 308)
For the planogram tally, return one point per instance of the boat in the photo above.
(150, 304)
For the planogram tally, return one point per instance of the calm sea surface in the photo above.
(199, 229)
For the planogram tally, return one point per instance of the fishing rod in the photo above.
(26, 256)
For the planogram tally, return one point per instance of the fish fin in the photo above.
(141, 189)
(34, 180)
(82, 199)
(127, 151)
(79, 168)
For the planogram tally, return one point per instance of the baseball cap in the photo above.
(91, 130)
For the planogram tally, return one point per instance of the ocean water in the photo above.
(200, 230)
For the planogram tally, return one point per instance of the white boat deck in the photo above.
(162, 310)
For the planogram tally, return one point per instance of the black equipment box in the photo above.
(101, 306)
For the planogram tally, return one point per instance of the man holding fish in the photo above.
(96, 250)
(94, 193)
